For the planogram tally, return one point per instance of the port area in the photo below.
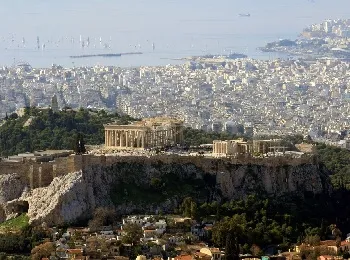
(105, 55)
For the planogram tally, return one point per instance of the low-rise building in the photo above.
(213, 253)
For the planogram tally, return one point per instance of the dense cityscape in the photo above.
(304, 96)
(223, 157)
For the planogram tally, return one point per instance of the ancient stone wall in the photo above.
(85, 182)
(36, 174)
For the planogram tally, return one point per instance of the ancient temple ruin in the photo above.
(148, 133)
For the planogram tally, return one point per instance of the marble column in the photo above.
(127, 138)
(110, 138)
(143, 139)
(116, 138)
(121, 138)
(105, 137)
(106, 141)
(133, 143)
(139, 145)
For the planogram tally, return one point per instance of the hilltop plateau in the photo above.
(67, 190)
(157, 184)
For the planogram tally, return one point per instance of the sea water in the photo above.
(43, 33)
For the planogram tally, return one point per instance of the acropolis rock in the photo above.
(126, 184)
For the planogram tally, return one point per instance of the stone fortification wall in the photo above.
(68, 188)
(36, 174)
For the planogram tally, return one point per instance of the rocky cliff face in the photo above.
(11, 187)
(241, 180)
(66, 199)
(148, 187)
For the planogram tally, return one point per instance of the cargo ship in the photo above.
(104, 55)
(107, 55)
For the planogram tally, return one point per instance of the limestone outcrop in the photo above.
(11, 186)
(241, 180)
(152, 186)
(66, 199)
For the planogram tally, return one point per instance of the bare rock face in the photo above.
(11, 187)
(129, 184)
(2, 214)
(66, 199)
(241, 180)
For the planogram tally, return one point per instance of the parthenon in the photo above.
(148, 133)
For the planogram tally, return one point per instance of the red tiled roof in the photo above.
(327, 243)
(327, 256)
(74, 251)
(183, 257)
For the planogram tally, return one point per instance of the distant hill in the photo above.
(41, 129)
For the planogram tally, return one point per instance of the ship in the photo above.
(244, 15)
(96, 55)
(104, 55)
(236, 56)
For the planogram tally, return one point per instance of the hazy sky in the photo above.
(52, 17)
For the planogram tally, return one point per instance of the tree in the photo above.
(194, 210)
(133, 233)
(156, 183)
(336, 234)
(12, 243)
(231, 250)
(49, 130)
(230, 233)
(256, 250)
(189, 208)
(313, 240)
(42, 250)
(27, 111)
(102, 217)
(79, 147)
(185, 206)
(13, 116)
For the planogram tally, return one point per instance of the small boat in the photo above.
(244, 15)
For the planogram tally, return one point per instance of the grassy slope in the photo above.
(15, 224)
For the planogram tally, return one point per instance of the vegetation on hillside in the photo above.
(258, 222)
(44, 129)
(337, 161)
(20, 238)
(136, 187)
(15, 224)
